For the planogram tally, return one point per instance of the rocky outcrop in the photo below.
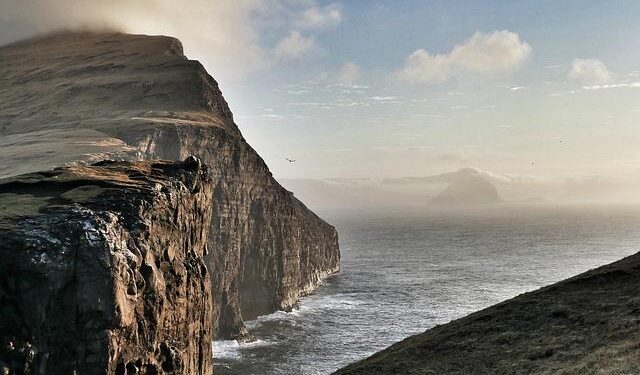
(103, 270)
(587, 324)
(83, 97)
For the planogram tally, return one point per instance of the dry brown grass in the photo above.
(587, 324)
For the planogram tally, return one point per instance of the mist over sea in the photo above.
(404, 272)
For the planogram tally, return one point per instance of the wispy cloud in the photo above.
(263, 116)
(298, 92)
(316, 17)
(613, 86)
(482, 53)
(349, 73)
(349, 86)
(221, 34)
(295, 46)
(305, 104)
(383, 98)
(589, 72)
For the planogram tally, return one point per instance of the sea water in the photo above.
(406, 271)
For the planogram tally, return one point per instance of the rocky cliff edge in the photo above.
(83, 97)
(103, 270)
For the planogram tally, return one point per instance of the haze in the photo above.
(544, 95)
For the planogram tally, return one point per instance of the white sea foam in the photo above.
(232, 349)
(339, 302)
(309, 305)
(226, 349)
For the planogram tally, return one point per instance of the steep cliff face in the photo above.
(84, 97)
(267, 248)
(103, 270)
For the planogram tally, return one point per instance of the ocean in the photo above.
(404, 272)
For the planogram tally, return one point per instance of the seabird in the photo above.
(290, 160)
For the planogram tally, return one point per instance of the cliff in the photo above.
(79, 97)
(583, 325)
(103, 270)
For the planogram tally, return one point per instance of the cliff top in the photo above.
(86, 96)
(583, 325)
(99, 185)
(92, 74)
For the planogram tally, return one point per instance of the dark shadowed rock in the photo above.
(103, 270)
(85, 97)
(587, 324)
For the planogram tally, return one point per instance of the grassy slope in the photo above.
(588, 324)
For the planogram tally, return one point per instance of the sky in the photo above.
(388, 89)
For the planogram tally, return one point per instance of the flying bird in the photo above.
(290, 160)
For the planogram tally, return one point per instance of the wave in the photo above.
(232, 349)
(309, 305)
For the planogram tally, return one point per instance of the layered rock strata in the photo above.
(103, 270)
(79, 97)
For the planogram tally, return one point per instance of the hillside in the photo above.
(583, 325)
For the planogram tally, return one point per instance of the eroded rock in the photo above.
(103, 270)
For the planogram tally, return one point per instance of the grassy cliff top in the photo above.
(87, 97)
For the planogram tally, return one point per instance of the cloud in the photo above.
(295, 46)
(482, 53)
(589, 72)
(383, 98)
(349, 73)
(632, 85)
(298, 92)
(315, 17)
(221, 34)
(500, 179)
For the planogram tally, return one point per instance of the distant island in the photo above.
(467, 190)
